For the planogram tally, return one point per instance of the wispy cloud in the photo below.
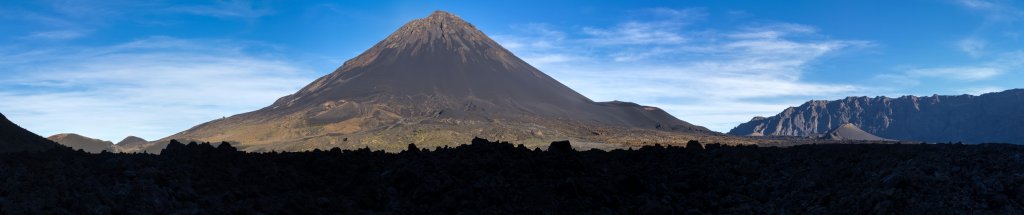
(665, 30)
(957, 73)
(150, 88)
(71, 19)
(57, 35)
(743, 72)
(972, 46)
(993, 10)
(982, 90)
(977, 4)
(1003, 64)
(532, 36)
(542, 41)
(225, 9)
(635, 33)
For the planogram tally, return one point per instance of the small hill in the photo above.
(14, 138)
(132, 144)
(132, 141)
(86, 144)
(849, 131)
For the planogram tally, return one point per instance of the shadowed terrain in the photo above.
(491, 177)
(14, 138)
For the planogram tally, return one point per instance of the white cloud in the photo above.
(1003, 64)
(902, 80)
(534, 36)
(549, 59)
(537, 43)
(977, 4)
(149, 88)
(972, 46)
(633, 33)
(57, 35)
(773, 31)
(982, 90)
(225, 9)
(957, 73)
(717, 78)
(993, 11)
(664, 30)
(676, 15)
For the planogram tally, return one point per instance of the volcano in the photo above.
(439, 81)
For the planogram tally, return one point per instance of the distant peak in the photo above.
(131, 140)
(72, 136)
(64, 135)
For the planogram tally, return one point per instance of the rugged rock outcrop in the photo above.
(438, 81)
(991, 117)
(86, 144)
(14, 138)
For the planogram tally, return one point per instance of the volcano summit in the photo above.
(439, 81)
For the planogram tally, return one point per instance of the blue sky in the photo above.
(108, 69)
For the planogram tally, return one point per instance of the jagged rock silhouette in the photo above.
(497, 177)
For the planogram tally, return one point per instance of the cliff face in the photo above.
(991, 117)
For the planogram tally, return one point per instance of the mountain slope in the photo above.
(438, 81)
(86, 144)
(14, 138)
(991, 117)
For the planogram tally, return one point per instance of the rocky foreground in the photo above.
(489, 177)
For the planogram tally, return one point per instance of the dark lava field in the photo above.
(499, 178)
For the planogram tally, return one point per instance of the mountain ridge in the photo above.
(990, 117)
